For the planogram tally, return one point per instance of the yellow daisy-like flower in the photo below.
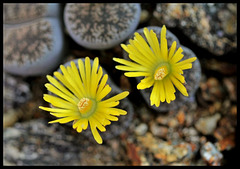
(79, 94)
(161, 67)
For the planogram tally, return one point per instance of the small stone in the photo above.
(226, 143)
(15, 91)
(159, 131)
(144, 16)
(213, 27)
(181, 117)
(163, 120)
(231, 85)
(207, 125)
(141, 129)
(173, 123)
(210, 154)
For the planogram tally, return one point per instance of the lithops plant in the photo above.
(80, 91)
(190, 77)
(101, 26)
(33, 40)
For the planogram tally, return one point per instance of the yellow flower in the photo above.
(161, 67)
(78, 97)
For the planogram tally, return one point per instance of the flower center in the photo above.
(84, 105)
(160, 72)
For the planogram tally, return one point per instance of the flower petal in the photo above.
(102, 84)
(136, 74)
(117, 97)
(54, 90)
(95, 133)
(145, 83)
(105, 91)
(172, 50)
(179, 86)
(61, 88)
(177, 56)
(58, 102)
(164, 49)
(64, 120)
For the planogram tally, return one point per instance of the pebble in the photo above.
(231, 84)
(166, 152)
(207, 125)
(15, 91)
(211, 90)
(159, 131)
(211, 27)
(210, 154)
(141, 129)
(35, 142)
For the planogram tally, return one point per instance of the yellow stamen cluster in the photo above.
(84, 105)
(160, 73)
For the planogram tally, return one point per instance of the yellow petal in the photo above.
(94, 77)
(145, 49)
(60, 114)
(177, 56)
(98, 124)
(54, 90)
(179, 77)
(136, 74)
(102, 84)
(58, 102)
(153, 96)
(82, 71)
(145, 83)
(70, 81)
(61, 88)
(127, 63)
(117, 97)
(167, 92)
(110, 117)
(155, 42)
(127, 68)
(143, 55)
(88, 75)
(172, 50)
(162, 91)
(63, 120)
(125, 48)
(150, 41)
(56, 110)
(164, 49)
(136, 56)
(101, 118)
(189, 60)
(105, 91)
(170, 89)
(77, 78)
(185, 66)
(108, 104)
(179, 86)
(95, 133)
(112, 111)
